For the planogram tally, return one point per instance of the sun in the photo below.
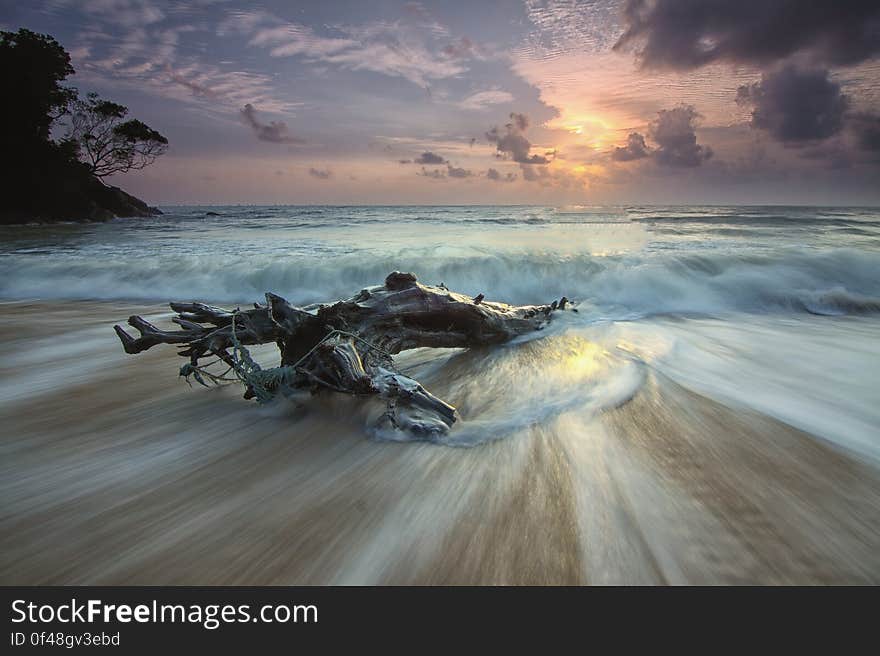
(585, 129)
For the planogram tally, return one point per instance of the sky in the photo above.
(535, 102)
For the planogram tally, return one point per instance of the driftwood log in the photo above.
(345, 346)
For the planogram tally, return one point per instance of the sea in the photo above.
(723, 361)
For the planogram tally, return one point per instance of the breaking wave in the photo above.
(837, 281)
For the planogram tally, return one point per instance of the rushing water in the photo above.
(627, 262)
(720, 378)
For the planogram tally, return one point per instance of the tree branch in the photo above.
(348, 346)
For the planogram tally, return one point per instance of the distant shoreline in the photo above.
(96, 203)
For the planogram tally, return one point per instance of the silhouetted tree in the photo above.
(107, 143)
(32, 67)
(47, 179)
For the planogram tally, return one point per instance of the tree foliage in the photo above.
(47, 178)
(32, 68)
(107, 142)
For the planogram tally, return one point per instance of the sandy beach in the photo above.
(115, 472)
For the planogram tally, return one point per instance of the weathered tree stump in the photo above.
(345, 346)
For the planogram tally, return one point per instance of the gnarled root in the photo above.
(346, 346)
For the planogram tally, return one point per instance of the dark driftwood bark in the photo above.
(347, 346)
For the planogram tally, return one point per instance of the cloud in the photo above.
(198, 89)
(635, 148)
(396, 49)
(274, 131)
(547, 177)
(831, 154)
(857, 144)
(150, 57)
(321, 174)
(454, 172)
(533, 174)
(520, 121)
(419, 15)
(866, 128)
(482, 100)
(436, 174)
(686, 34)
(805, 108)
(495, 176)
(794, 105)
(511, 142)
(463, 48)
(451, 172)
(243, 21)
(127, 13)
(416, 10)
(429, 158)
(290, 39)
(674, 133)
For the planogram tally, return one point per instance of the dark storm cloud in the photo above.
(676, 139)
(429, 158)
(686, 34)
(511, 142)
(808, 110)
(796, 106)
(321, 174)
(635, 148)
(274, 131)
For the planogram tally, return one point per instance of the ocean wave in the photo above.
(839, 301)
(767, 221)
(839, 281)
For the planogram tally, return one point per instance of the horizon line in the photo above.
(617, 205)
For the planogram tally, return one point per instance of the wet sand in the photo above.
(113, 471)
